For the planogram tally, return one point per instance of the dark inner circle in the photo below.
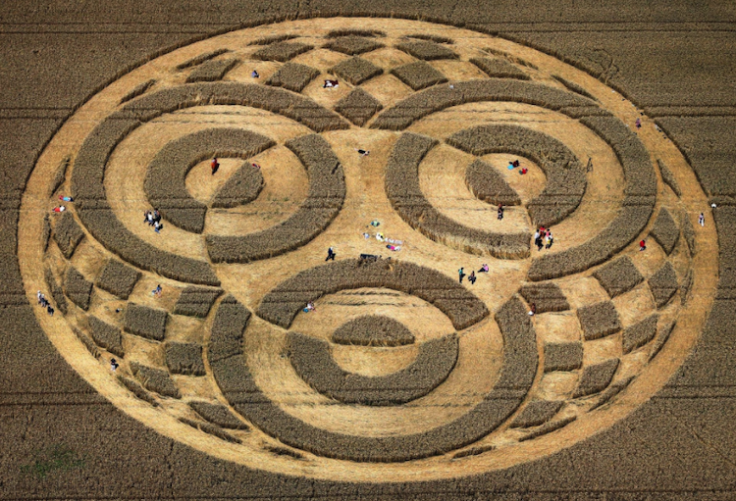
(406, 196)
(312, 359)
(641, 182)
(166, 175)
(226, 350)
(373, 330)
(566, 180)
(92, 207)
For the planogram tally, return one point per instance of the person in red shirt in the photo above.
(214, 165)
(642, 245)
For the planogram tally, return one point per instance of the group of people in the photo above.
(61, 208)
(515, 164)
(44, 303)
(472, 277)
(543, 238)
(153, 218)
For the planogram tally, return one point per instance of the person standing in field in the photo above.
(472, 277)
(500, 212)
(214, 165)
(461, 274)
(539, 242)
(533, 310)
(643, 245)
(330, 254)
(549, 240)
(701, 219)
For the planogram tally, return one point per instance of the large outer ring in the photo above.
(651, 379)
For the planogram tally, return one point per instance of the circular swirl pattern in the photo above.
(167, 190)
(397, 370)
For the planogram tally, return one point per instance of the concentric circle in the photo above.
(382, 360)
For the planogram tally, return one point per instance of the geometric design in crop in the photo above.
(405, 194)
(314, 363)
(293, 76)
(325, 199)
(211, 70)
(165, 180)
(419, 75)
(281, 305)
(358, 106)
(281, 51)
(426, 50)
(353, 45)
(565, 173)
(420, 376)
(499, 68)
(356, 70)
(235, 379)
(488, 185)
(373, 330)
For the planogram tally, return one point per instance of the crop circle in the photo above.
(403, 369)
